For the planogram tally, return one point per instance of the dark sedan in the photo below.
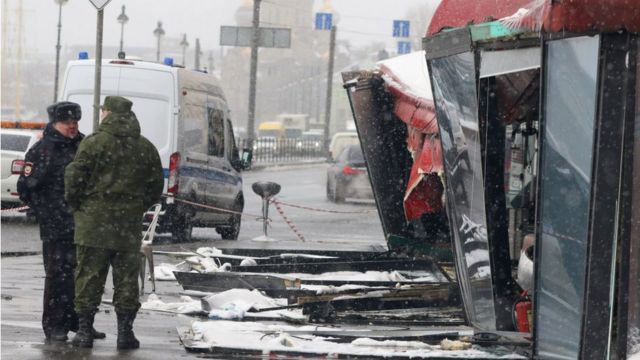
(347, 177)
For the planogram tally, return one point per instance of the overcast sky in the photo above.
(361, 21)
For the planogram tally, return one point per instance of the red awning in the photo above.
(407, 80)
(552, 16)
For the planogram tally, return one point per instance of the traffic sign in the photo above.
(323, 21)
(242, 35)
(400, 28)
(99, 4)
(404, 47)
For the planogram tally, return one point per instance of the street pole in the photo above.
(327, 109)
(122, 19)
(210, 58)
(253, 72)
(198, 53)
(158, 32)
(98, 71)
(55, 81)
(185, 44)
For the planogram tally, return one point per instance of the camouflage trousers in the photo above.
(91, 275)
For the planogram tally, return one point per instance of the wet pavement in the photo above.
(23, 276)
(22, 336)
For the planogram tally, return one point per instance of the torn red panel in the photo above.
(407, 80)
(424, 190)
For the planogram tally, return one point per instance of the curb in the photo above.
(286, 166)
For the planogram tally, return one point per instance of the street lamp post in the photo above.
(158, 32)
(122, 19)
(55, 83)
(185, 44)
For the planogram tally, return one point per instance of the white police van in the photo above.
(185, 115)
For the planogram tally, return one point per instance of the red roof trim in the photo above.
(557, 15)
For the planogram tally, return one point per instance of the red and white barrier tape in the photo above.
(288, 221)
(15, 209)
(276, 201)
(214, 208)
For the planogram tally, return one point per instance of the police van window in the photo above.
(195, 130)
(232, 152)
(216, 133)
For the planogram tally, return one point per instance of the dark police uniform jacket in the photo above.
(41, 184)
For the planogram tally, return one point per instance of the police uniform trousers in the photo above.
(59, 258)
(91, 275)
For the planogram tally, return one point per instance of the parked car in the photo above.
(339, 141)
(15, 144)
(184, 113)
(310, 143)
(265, 145)
(347, 177)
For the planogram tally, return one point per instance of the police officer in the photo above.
(115, 177)
(41, 186)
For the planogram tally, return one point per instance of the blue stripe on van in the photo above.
(214, 175)
(211, 175)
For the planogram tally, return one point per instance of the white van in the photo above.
(185, 115)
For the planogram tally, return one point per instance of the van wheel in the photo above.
(232, 231)
(182, 230)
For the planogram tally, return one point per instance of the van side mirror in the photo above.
(246, 156)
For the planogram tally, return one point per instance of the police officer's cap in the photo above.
(64, 110)
(117, 104)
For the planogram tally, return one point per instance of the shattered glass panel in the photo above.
(456, 103)
(570, 103)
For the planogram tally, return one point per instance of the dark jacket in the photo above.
(41, 185)
(115, 177)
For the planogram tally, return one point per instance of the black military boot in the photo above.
(98, 334)
(126, 337)
(58, 334)
(84, 336)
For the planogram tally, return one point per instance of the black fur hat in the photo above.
(64, 110)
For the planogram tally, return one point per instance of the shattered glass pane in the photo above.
(566, 188)
(455, 95)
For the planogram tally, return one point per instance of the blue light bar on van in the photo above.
(83, 55)
(168, 61)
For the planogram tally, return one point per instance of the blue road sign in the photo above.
(404, 47)
(400, 28)
(323, 21)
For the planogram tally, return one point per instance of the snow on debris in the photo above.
(278, 337)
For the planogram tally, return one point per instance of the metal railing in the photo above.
(274, 150)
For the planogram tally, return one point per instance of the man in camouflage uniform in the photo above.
(41, 186)
(115, 176)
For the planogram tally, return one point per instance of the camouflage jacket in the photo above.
(115, 176)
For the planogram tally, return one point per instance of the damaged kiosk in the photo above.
(538, 145)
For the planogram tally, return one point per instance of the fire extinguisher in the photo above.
(523, 312)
